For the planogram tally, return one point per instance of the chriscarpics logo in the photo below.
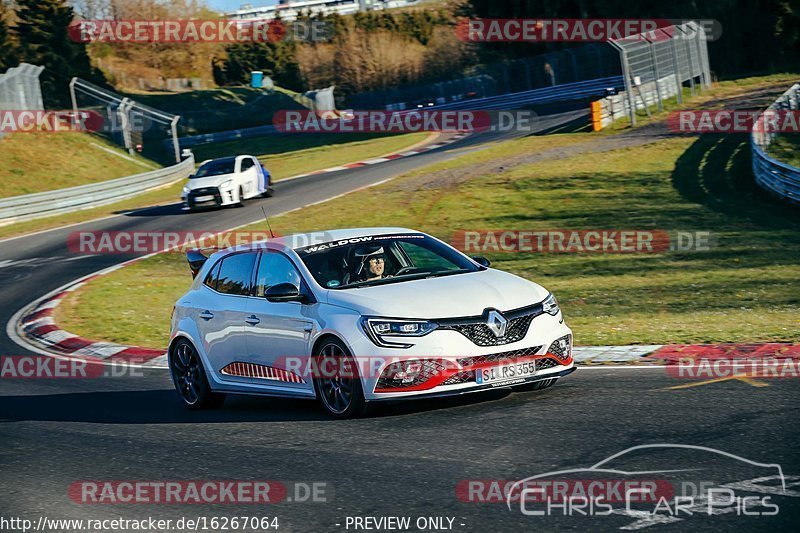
(656, 484)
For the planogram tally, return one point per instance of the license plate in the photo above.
(507, 372)
(203, 198)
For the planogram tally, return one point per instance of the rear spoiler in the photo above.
(196, 261)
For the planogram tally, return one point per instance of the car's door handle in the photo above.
(252, 320)
(206, 315)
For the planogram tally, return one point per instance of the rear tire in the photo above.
(340, 396)
(536, 385)
(189, 378)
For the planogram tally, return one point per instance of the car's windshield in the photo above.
(216, 168)
(381, 259)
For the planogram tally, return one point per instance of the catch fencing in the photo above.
(656, 64)
(135, 126)
(20, 89)
(562, 67)
(777, 177)
(44, 204)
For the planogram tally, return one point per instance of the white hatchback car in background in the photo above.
(226, 181)
(358, 316)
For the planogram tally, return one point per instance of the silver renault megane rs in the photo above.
(357, 316)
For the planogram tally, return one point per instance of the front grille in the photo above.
(461, 377)
(477, 330)
(561, 347)
(499, 357)
(205, 191)
(429, 369)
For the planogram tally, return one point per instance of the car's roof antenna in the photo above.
(272, 235)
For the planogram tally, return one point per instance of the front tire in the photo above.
(240, 203)
(340, 394)
(189, 378)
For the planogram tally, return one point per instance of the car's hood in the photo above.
(210, 181)
(448, 296)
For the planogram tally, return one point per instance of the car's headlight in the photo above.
(186, 189)
(225, 184)
(378, 328)
(550, 305)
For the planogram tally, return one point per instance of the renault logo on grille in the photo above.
(497, 323)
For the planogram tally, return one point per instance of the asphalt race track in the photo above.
(407, 460)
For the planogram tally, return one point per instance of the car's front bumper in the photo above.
(456, 359)
(208, 197)
(441, 392)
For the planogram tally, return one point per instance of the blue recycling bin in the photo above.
(256, 79)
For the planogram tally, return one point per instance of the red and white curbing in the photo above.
(38, 327)
(384, 159)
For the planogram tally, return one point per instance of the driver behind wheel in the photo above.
(371, 261)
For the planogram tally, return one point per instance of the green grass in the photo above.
(288, 155)
(282, 165)
(745, 289)
(221, 109)
(786, 148)
(36, 162)
(717, 97)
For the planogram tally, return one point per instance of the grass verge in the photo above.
(295, 160)
(72, 159)
(745, 289)
(290, 155)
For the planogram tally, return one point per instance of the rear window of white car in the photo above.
(233, 274)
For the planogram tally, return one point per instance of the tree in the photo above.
(43, 39)
(8, 53)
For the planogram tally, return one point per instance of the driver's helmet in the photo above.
(363, 254)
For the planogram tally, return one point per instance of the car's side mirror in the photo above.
(191, 176)
(284, 292)
(482, 261)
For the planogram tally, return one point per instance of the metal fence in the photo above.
(775, 176)
(657, 64)
(20, 89)
(137, 127)
(43, 204)
(568, 66)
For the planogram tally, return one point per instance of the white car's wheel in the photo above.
(190, 379)
(340, 393)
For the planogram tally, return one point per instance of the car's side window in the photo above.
(235, 274)
(211, 278)
(247, 164)
(275, 268)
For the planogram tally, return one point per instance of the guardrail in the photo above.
(555, 93)
(775, 176)
(43, 204)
